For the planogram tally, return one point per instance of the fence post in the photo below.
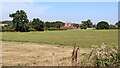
(53, 58)
(78, 56)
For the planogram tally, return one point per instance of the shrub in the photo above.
(53, 29)
(112, 27)
(106, 57)
(102, 56)
(8, 30)
(32, 29)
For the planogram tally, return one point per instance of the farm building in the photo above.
(69, 26)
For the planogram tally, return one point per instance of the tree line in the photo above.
(21, 23)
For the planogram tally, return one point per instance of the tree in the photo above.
(112, 27)
(54, 25)
(6, 22)
(118, 24)
(76, 25)
(83, 26)
(58, 24)
(89, 23)
(38, 24)
(46, 25)
(102, 25)
(20, 20)
(86, 24)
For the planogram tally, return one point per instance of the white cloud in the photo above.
(31, 9)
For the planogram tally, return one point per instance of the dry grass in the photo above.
(32, 54)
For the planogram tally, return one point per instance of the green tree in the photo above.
(38, 24)
(118, 24)
(47, 25)
(83, 26)
(58, 24)
(86, 24)
(6, 22)
(112, 27)
(102, 25)
(89, 23)
(54, 25)
(20, 21)
(76, 25)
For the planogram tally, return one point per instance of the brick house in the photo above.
(69, 26)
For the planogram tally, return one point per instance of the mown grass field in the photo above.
(81, 38)
(33, 54)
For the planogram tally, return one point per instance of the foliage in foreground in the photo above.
(102, 56)
(107, 58)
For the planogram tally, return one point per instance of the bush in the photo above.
(101, 56)
(8, 30)
(107, 58)
(32, 29)
(112, 27)
(53, 29)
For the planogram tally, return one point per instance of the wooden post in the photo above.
(53, 58)
(78, 56)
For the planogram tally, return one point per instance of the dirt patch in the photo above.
(32, 54)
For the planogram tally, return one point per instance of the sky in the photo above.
(67, 12)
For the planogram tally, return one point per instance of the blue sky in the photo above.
(74, 12)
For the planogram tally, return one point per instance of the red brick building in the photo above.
(69, 26)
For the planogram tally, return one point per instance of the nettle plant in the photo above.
(106, 57)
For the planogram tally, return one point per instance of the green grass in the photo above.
(82, 38)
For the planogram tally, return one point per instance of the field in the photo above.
(32, 54)
(36, 48)
(81, 38)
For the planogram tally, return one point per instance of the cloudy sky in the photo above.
(64, 11)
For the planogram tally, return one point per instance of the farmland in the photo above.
(59, 34)
(33, 54)
(36, 48)
(81, 38)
